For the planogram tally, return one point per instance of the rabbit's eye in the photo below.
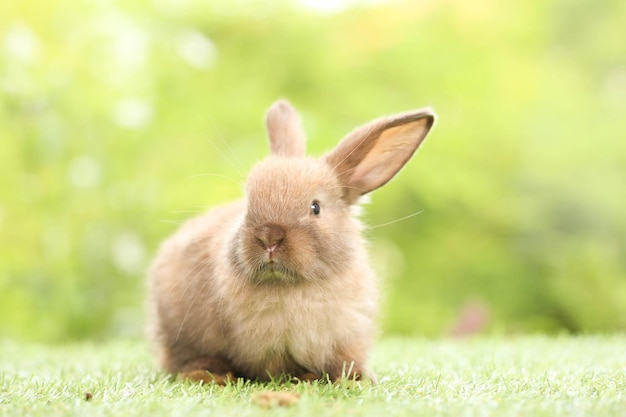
(315, 207)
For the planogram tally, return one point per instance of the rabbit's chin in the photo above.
(272, 272)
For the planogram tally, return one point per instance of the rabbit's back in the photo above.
(184, 296)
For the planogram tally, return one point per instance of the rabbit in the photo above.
(279, 283)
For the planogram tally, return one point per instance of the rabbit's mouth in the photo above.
(275, 272)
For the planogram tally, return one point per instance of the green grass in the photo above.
(525, 376)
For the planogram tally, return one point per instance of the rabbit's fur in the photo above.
(268, 285)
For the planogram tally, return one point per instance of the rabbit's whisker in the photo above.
(177, 223)
(239, 165)
(200, 238)
(201, 290)
(358, 145)
(342, 173)
(395, 221)
(344, 187)
(226, 158)
(194, 270)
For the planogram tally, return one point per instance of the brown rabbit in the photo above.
(279, 282)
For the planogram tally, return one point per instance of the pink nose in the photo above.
(270, 236)
(270, 249)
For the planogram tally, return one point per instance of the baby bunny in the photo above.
(279, 283)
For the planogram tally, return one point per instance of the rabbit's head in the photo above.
(299, 223)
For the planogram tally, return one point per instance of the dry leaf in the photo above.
(269, 399)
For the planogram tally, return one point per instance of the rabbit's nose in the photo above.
(270, 236)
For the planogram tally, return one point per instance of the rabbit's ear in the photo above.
(372, 154)
(285, 130)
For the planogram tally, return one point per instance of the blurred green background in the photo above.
(120, 119)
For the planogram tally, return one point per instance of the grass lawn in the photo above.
(521, 376)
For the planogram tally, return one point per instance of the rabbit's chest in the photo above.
(277, 333)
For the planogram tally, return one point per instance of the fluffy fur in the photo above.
(267, 286)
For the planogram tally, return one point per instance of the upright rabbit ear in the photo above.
(372, 154)
(285, 130)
